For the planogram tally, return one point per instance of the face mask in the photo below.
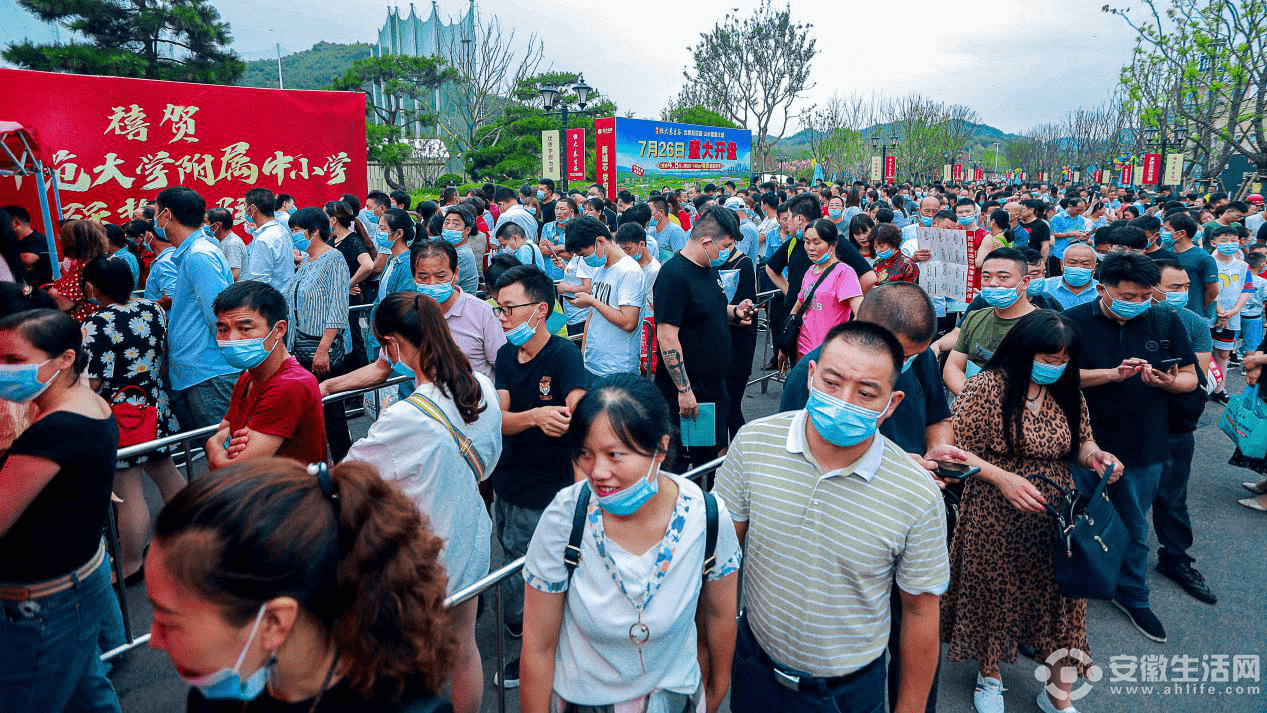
(1043, 374)
(1077, 276)
(20, 383)
(966, 219)
(300, 240)
(884, 254)
(1128, 310)
(1000, 297)
(906, 363)
(452, 237)
(532, 209)
(369, 216)
(835, 212)
(383, 240)
(1228, 248)
(564, 221)
(825, 257)
(245, 353)
(630, 500)
(440, 292)
(722, 256)
(926, 221)
(1178, 300)
(521, 333)
(541, 195)
(596, 259)
(1167, 239)
(227, 684)
(1036, 287)
(840, 422)
(161, 230)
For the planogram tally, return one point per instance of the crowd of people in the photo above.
(567, 357)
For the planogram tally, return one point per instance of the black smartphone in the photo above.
(1165, 364)
(955, 469)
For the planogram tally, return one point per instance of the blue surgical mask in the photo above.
(1228, 248)
(1128, 310)
(1000, 297)
(906, 363)
(300, 240)
(440, 291)
(521, 333)
(926, 221)
(1043, 373)
(245, 353)
(369, 216)
(452, 237)
(161, 231)
(1178, 300)
(884, 254)
(20, 383)
(1036, 287)
(824, 258)
(1078, 276)
(722, 256)
(383, 240)
(1167, 239)
(630, 500)
(966, 219)
(227, 683)
(840, 422)
(532, 209)
(541, 195)
(563, 221)
(835, 212)
(596, 259)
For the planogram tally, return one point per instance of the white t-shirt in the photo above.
(608, 348)
(414, 450)
(650, 272)
(595, 662)
(573, 274)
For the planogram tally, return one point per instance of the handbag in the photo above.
(1245, 422)
(138, 422)
(305, 350)
(465, 446)
(792, 324)
(1092, 540)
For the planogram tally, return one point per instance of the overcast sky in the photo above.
(1017, 63)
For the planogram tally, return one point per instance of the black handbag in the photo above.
(1092, 540)
(792, 325)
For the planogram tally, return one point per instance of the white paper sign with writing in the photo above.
(947, 272)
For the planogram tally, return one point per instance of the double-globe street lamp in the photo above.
(1162, 140)
(551, 97)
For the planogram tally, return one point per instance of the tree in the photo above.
(751, 70)
(836, 133)
(399, 91)
(928, 130)
(488, 70)
(699, 115)
(1217, 52)
(178, 40)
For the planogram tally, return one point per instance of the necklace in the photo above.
(325, 686)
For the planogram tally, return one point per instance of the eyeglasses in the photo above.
(500, 311)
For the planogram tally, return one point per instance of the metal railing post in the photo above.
(501, 648)
(120, 588)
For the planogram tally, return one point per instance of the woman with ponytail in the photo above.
(438, 445)
(283, 587)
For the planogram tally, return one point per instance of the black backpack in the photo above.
(572, 553)
(1184, 410)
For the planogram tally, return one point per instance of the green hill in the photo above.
(310, 69)
(983, 136)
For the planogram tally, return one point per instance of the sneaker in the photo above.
(1234, 358)
(987, 697)
(1220, 397)
(1144, 620)
(516, 631)
(1045, 705)
(508, 677)
(1190, 579)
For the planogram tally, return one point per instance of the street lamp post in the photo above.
(780, 159)
(551, 97)
(1162, 140)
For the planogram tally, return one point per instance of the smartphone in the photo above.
(1166, 364)
(569, 296)
(955, 469)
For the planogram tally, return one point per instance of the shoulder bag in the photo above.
(795, 320)
(138, 422)
(1092, 540)
(465, 446)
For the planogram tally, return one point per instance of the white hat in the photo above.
(736, 204)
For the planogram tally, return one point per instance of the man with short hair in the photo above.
(1075, 284)
(1066, 228)
(547, 198)
(275, 409)
(511, 211)
(668, 235)
(32, 247)
(1005, 286)
(799, 484)
(751, 238)
(160, 283)
(1203, 272)
(220, 223)
(271, 258)
(1224, 217)
(286, 207)
(612, 339)
(201, 379)
(632, 239)
(1128, 398)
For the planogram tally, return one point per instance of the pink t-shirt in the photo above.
(830, 306)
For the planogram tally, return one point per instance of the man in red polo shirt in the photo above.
(276, 404)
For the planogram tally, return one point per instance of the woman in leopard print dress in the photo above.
(1002, 590)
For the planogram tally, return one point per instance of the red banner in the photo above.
(576, 154)
(116, 143)
(957, 172)
(1152, 168)
(605, 153)
(890, 169)
(977, 174)
(1099, 173)
(1128, 171)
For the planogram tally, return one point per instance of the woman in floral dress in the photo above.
(125, 343)
(82, 241)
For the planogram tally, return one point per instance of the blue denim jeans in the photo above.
(1251, 334)
(1132, 496)
(51, 661)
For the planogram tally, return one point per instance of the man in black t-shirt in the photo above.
(32, 247)
(1037, 232)
(539, 379)
(693, 330)
(803, 210)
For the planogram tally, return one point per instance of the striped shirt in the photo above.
(823, 549)
(320, 298)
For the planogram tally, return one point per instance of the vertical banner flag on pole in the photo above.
(576, 154)
(1152, 169)
(946, 173)
(1138, 173)
(550, 154)
(875, 168)
(605, 153)
(1174, 170)
(958, 173)
(1127, 170)
(818, 172)
(890, 169)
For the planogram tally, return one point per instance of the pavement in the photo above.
(1203, 640)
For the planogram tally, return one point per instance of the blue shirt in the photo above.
(1059, 290)
(672, 238)
(271, 257)
(162, 279)
(202, 272)
(133, 266)
(554, 234)
(1064, 224)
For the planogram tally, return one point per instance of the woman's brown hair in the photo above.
(363, 564)
(418, 319)
(83, 239)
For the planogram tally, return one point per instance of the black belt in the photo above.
(797, 682)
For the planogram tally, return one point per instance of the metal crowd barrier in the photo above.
(183, 439)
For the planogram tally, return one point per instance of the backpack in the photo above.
(572, 553)
(1184, 410)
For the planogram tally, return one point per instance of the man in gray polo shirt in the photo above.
(832, 514)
